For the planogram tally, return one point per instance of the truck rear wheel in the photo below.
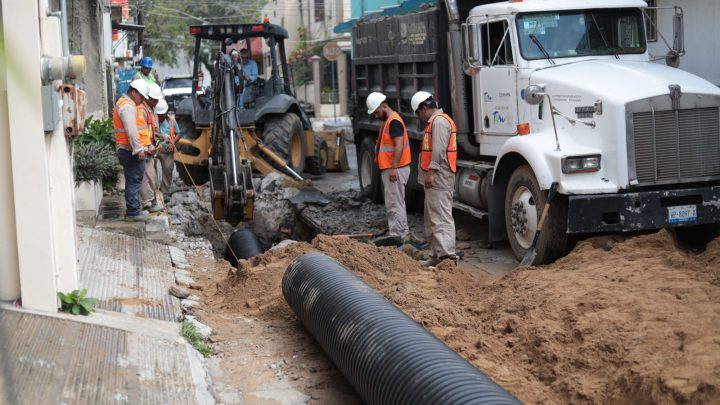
(317, 163)
(524, 202)
(368, 171)
(284, 135)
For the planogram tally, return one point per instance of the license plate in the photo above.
(682, 214)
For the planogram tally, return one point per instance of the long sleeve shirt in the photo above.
(128, 116)
(250, 69)
(444, 178)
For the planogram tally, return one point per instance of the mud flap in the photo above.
(496, 213)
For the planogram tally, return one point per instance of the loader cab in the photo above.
(259, 93)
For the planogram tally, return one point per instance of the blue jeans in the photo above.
(134, 169)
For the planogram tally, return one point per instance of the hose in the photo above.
(386, 356)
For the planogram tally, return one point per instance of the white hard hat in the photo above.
(418, 98)
(141, 86)
(161, 107)
(374, 100)
(154, 91)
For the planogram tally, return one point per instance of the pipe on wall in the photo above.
(385, 355)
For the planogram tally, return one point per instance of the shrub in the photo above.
(77, 303)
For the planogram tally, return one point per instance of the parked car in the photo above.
(176, 89)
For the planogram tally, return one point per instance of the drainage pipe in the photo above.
(386, 356)
(242, 244)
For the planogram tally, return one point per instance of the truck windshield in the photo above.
(575, 33)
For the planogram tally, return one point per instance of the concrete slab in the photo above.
(127, 274)
(79, 360)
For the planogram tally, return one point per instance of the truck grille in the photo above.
(676, 145)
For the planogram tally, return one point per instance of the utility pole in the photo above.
(140, 21)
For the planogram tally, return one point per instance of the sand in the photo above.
(634, 321)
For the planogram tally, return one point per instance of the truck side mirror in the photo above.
(533, 94)
(472, 49)
(678, 32)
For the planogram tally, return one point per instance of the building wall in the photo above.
(36, 202)
(85, 24)
(361, 7)
(701, 32)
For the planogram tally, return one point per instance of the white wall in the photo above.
(38, 195)
(702, 30)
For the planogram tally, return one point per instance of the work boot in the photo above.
(410, 239)
(141, 217)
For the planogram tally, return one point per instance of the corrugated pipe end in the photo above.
(386, 356)
(245, 245)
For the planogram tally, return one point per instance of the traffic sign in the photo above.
(332, 51)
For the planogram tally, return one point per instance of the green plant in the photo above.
(77, 302)
(196, 340)
(93, 162)
(97, 131)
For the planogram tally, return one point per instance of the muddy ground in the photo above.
(618, 320)
(630, 322)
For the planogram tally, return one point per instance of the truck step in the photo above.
(474, 164)
(476, 212)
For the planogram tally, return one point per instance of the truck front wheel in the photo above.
(368, 171)
(524, 202)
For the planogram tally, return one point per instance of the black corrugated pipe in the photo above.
(386, 356)
(245, 245)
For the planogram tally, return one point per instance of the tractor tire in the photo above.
(284, 135)
(524, 202)
(190, 174)
(368, 171)
(317, 163)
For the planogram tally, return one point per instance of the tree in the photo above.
(167, 23)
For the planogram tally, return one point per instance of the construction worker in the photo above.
(146, 65)
(132, 140)
(249, 71)
(169, 131)
(149, 182)
(392, 155)
(436, 171)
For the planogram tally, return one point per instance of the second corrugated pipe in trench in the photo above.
(386, 356)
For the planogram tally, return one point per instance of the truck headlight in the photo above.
(580, 164)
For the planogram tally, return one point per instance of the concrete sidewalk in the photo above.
(127, 352)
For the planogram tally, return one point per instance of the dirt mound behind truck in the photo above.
(635, 321)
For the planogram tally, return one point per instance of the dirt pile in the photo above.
(613, 322)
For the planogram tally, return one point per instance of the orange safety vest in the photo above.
(172, 127)
(121, 137)
(385, 145)
(426, 150)
(145, 124)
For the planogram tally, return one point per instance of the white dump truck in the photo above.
(544, 92)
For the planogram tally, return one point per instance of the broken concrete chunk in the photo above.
(462, 245)
(178, 292)
(184, 280)
(157, 224)
(187, 304)
(462, 235)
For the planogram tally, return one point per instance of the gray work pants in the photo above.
(149, 182)
(439, 222)
(395, 201)
(167, 162)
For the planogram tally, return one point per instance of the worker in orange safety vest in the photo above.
(392, 155)
(168, 136)
(132, 142)
(436, 171)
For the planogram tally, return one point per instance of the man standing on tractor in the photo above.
(436, 171)
(132, 140)
(169, 135)
(392, 151)
(146, 65)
